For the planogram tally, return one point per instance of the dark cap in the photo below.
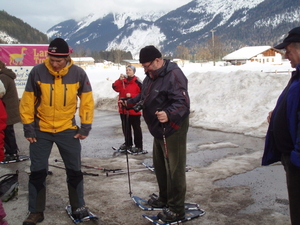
(58, 48)
(294, 36)
(149, 53)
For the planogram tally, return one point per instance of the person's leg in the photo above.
(160, 170)
(293, 186)
(176, 144)
(135, 121)
(2, 156)
(39, 154)
(70, 151)
(126, 127)
(11, 146)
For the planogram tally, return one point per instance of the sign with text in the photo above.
(23, 55)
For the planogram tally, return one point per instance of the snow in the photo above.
(224, 98)
(140, 37)
(226, 8)
(120, 19)
(5, 37)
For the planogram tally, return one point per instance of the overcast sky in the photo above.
(42, 15)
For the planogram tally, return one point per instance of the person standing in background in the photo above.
(3, 118)
(283, 135)
(129, 86)
(11, 102)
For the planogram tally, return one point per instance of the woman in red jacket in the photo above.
(129, 86)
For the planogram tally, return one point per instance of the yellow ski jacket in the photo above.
(50, 100)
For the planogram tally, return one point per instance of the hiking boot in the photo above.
(168, 216)
(136, 150)
(124, 147)
(80, 213)
(34, 218)
(11, 157)
(155, 203)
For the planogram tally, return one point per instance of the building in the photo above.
(135, 63)
(261, 54)
(84, 61)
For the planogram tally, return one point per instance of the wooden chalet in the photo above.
(261, 54)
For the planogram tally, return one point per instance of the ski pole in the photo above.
(167, 159)
(84, 173)
(126, 142)
(167, 155)
(93, 167)
(123, 172)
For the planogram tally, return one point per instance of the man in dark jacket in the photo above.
(283, 136)
(11, 102)
(165, 102)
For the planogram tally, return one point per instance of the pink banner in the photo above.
(23, 55)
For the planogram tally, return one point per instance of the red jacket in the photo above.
(127, 89)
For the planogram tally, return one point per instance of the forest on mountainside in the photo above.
(18, 29)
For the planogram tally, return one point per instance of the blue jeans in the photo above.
(70, 151)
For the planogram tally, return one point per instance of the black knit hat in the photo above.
(294, 36)
(58, 48)
(149, 53)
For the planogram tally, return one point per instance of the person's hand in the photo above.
(31, 139)
(123, 102)
(162, 116)
(122, 76)
(269, 116)
(81, 137)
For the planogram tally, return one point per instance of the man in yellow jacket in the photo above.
(47, 108)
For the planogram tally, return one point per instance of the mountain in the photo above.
(14, 31)
(236, 23)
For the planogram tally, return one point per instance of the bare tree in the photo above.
(183, 53)
(212, 50)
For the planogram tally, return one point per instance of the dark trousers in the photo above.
(10, 145)
(171, 180)
(134, 123)
(293, 187)
(70, 151)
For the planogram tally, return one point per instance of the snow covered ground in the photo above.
(225, 98)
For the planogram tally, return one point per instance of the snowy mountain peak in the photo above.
(120, 19)
(236, 23)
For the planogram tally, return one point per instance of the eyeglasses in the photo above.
(146, 67)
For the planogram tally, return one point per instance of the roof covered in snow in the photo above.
(247, 52)
(83, 59)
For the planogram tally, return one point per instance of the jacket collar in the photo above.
(62, 72)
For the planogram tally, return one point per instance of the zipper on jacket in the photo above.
(65, 95)
(51, 91)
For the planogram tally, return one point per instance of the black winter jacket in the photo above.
(167, 91)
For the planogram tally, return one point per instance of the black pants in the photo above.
(293, 187)
(134, 121)
(10, 145)
(70, 151)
